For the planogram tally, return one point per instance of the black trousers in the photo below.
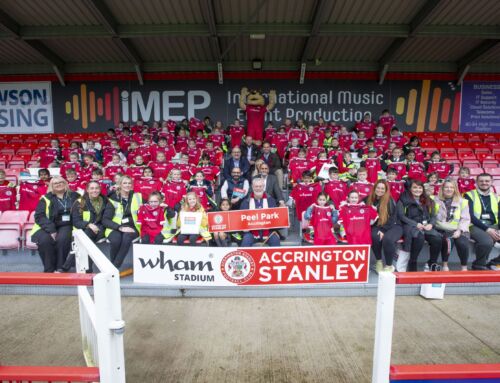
(387, 244)
(54, 252)
(70, 261)
(119, 246)
(462, 245)
(158, 239)
(435, 244)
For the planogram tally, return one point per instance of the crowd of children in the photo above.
(330, 169)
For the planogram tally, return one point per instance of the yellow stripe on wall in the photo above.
(422, 110)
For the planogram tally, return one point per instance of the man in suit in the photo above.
(236, 161)
(249, 150)
(273, 161)
(271, 186)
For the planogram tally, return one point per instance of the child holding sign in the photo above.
(193, 221)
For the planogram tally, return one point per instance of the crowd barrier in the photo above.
(384, 372)
(101, 323)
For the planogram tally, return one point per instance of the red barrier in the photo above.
(445, 371)
(52, 279)
(447, 277)
(66, 374)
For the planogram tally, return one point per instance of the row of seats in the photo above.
(15, 227)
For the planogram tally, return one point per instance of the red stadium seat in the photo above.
(495, 172)
(466, 156)
(476, 171)
(449, 155)
(16, 164)
(471, 163)
(24, 151)
(7, 152)
(27, 243)
(33, 164)
(490, 163)
(496, 184)
(11, 224)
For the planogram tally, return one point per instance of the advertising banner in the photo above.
(253, 266)
(96, 106)
(480, 107)
(26, 107)
(245, 220)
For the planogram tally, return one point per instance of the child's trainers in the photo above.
(379, 266)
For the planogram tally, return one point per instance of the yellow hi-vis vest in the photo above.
(85, 217)
(478, 207)
(168, 225)
(36, 227)
(455, 220)
(134, 209)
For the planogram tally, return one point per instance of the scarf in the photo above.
(251, 206)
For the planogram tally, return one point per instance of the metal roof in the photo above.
(69, 36)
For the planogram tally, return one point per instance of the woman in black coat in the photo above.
(387, 230)
(87, 215)
(53, 227)
(416, 211)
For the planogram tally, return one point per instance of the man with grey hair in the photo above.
(259, 200)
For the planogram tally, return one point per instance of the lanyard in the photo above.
(63, 203)
(482, 202)
(128, 203)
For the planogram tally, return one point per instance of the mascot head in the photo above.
(255, 97)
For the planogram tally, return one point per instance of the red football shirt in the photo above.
(356, 220)
(255, 121)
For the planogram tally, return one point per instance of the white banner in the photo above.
(26, 107)
(255, 266)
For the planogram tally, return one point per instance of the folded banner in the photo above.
(244, 220)
(229, 266)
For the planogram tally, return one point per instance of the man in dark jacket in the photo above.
(273, 161)
(236, 161)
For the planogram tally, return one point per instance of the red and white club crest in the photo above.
(238, 267)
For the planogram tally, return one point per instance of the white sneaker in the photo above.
(426, 267)
(389, 269)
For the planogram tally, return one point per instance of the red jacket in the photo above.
(151, 220)
(356, 220)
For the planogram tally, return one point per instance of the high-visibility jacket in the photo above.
(458, 214)
(477, 207)
(134, 209)
(36, 227)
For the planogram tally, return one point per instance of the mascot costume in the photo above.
(253, 103)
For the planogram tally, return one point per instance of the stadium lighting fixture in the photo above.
(257, 64)
(219, 73)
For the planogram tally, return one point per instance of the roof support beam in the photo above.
(105, 16)
(208, 9)
(318, 16)
(10, 26)
(416, 25)
(132, 31)
(465, 62)
(244, 28)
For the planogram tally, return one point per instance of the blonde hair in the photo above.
(57, 179)
(120, 181)
(456, 192)
(185, 205)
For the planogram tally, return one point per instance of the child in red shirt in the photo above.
(362, 186)
(397, 187)
(336, 188)
(356, 219)
(304, 193)
(465, 181)
(322, 217)
(151, 217)
(174, 189)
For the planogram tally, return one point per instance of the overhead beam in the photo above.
(416, 24)
(208, 9)
(132, 31)
(474, 54)
(317, 19)
(182, 66)
(108, 21)
(244, 28)
(10, 26)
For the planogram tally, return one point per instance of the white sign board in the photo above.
(26, 107)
